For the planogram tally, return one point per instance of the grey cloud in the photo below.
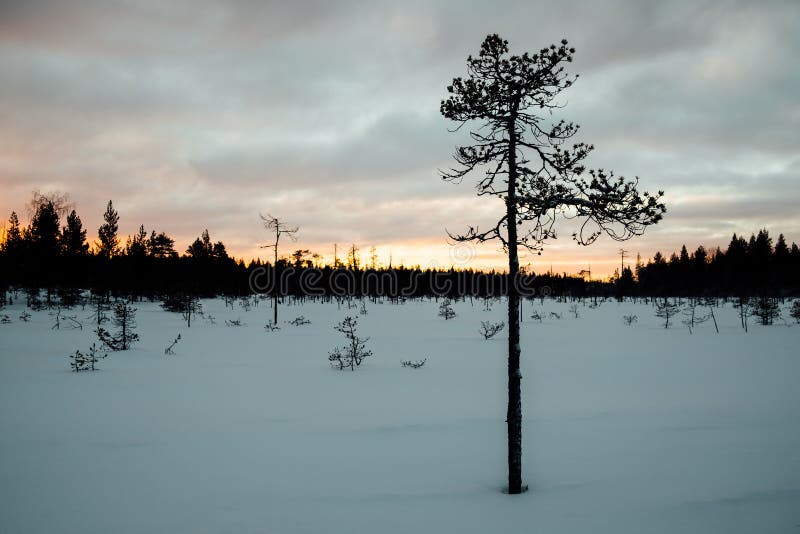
(198, 114)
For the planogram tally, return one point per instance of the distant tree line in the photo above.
(747, 268)
(52, 253)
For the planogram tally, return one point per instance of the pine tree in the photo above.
(767, 310)
(666, 310)
(108, 244)
(201, 248)
(125, 321)
(73, 237)
(527, 165)
(44, 232)
(795, 311)
(13, 241)
(136, 246)
(161, 246)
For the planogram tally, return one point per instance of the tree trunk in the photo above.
(514, 415)
(277, 282)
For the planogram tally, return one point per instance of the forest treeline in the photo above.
(53, 253)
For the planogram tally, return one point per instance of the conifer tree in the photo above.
(13, 241)
(44, 232)
(73, 237)
(108, 243)
(535, 175)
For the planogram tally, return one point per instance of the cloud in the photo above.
(202, 114)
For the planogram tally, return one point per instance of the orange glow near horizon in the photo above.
(439, 254)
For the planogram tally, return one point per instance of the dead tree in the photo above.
(745, 309)
(536, 177)
(280, 228)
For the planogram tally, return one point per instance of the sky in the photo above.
(198, 114)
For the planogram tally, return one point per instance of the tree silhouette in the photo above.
(136, 245)
(161, 246)
(73, 237)
(13, 238)
(44, 233)
(280, 228)
(538, 180)
(108, 242)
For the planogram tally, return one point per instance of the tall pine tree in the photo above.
(73, 237)
(108, 242)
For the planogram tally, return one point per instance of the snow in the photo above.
(626, 428)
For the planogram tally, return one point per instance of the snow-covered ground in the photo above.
(627, 428)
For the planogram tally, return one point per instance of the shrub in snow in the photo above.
(101, 306)
(555, 315)
(125, 321)
(629, 319)
(169, 350)
(691, 318)
(25, 316)
(69, 321)
(233, 322)
(186, 305)
(666, 310)
(354, 352)
(33, 301)
(745, 310)
(446, 309)
(767, 310)
(413, 364)
(271, 327)
(363, 309)
(536, 316)
(574, 310)
(86, 362)
(795, 311)
(300, 320)
(4, 319)
(489, 329)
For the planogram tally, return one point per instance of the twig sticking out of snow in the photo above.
(169, 350)
(300, 320)
(413, 364)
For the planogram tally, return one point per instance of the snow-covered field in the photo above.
(627, 428)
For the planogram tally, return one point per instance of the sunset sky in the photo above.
(193, 115)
